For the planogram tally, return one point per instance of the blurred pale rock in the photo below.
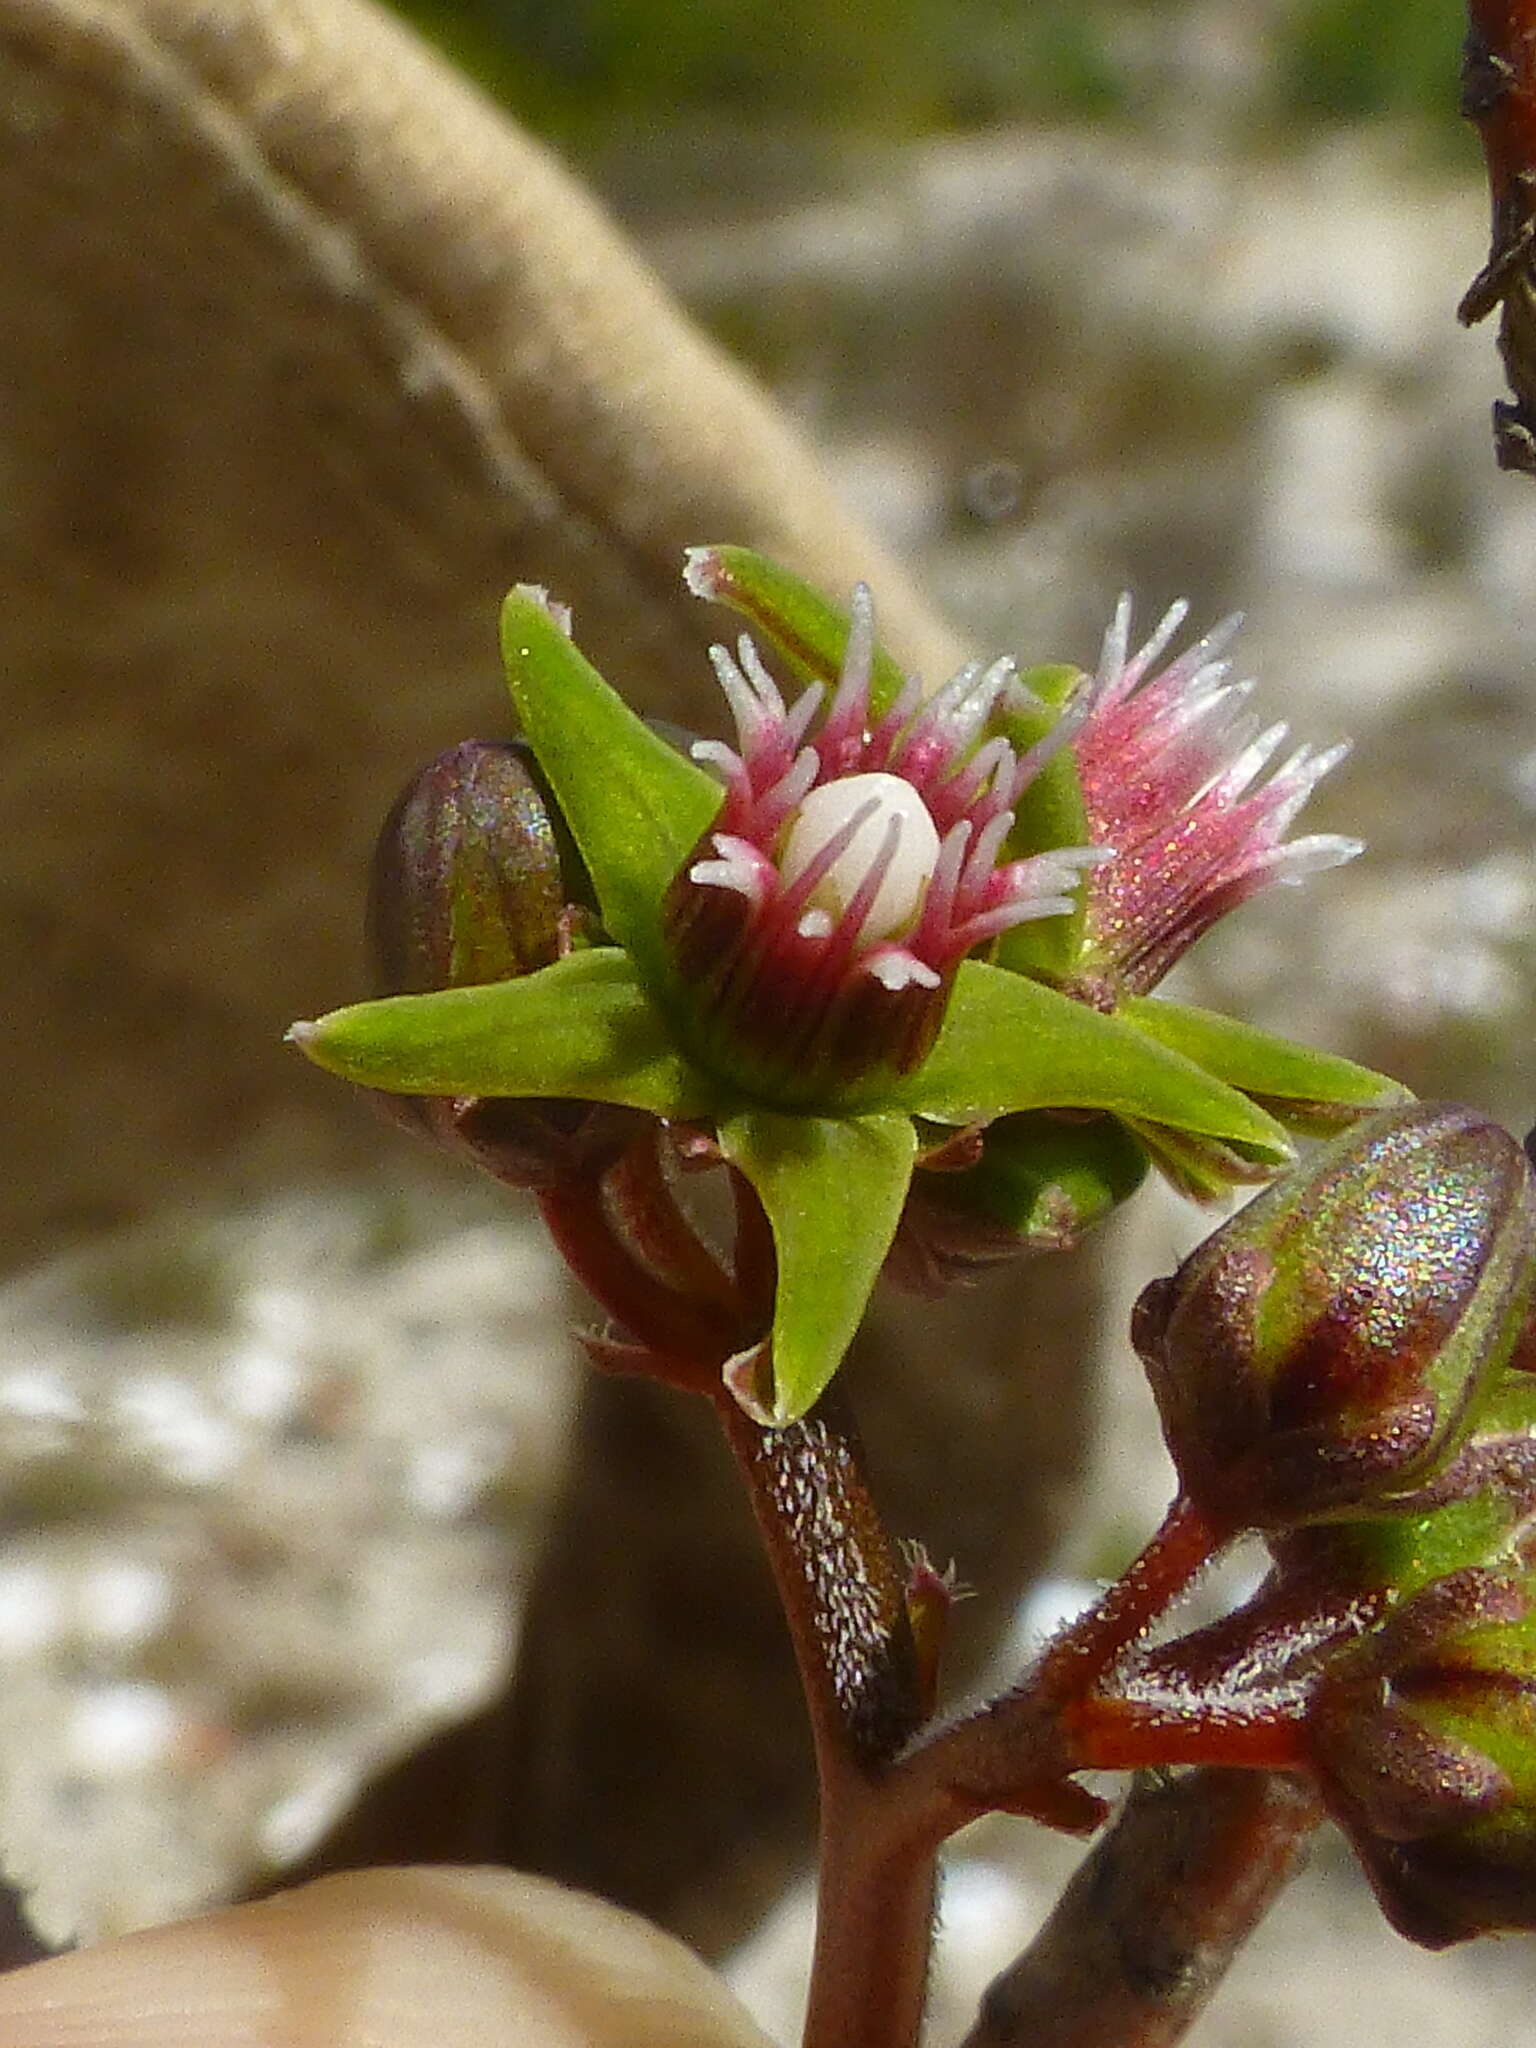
(385, 1959)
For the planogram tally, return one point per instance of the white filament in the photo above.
(826, 810)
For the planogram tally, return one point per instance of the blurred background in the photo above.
(1077, 298)
(1070, 299)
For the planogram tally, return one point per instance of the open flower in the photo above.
(854, 863)
(1176, 777)
(795, 960)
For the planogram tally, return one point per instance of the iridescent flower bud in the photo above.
(1321, 1354)
(475, 880)
(854, 863)
(469, 879)
(1422, 1733)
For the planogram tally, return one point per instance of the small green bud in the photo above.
(1424, 1746)
(1323, 1352)
(1032, 1182)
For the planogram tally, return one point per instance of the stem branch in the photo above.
(1147, 1928)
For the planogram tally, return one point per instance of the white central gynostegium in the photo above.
(884, 799)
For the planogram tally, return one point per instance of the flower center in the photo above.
(883, 799)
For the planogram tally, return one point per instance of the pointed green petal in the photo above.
(1311, 1091)
(1009, 1044)
(795, 618)
(833, 1189)
(582, 1029)
(635, 807)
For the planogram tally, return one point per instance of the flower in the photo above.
(855, 865)
(1176, 779)
(855, 861)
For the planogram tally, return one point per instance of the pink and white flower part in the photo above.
(856, 860)
(1174, 778)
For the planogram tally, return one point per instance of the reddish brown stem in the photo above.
(1084, 1652)
(1498, 89)
(1148, 1927)
(670, 1324)
(1235, 1693)
(842, 1589)
(1016, 1755)
(658, 1231)
(1248, 1732)
(841, 1584)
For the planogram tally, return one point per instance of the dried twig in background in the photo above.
(1498, 94)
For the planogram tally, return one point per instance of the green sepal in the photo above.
(635, 806)
(1050, 813)
(1009, 1044)
(803, 625)
(1202, 1169)
(833, 1190)
(583, 1029)
(1312, 1093)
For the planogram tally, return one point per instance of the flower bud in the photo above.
(476, 880)
(1422, 1735)
(1323, 1352)
(1032, 1182)
(1420, 1730)
(469, 874)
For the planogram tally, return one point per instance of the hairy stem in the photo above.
(1015, 1755)
(842, 1589)
(841, 1583)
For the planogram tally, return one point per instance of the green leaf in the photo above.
(583, 1029)
(635, 806)
(833, 1189)
(1313, 1092)
(1010, 1044)
(796, 619)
